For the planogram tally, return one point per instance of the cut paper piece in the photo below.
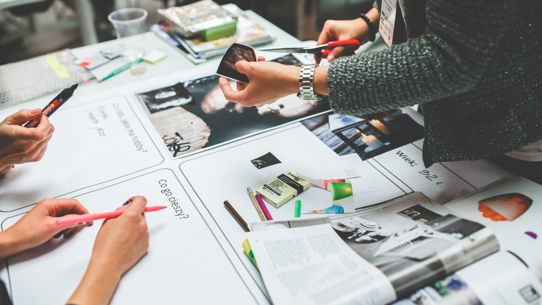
(334, 209)
(504, 207)
(338, 121)
(266, 160)
(340, 190)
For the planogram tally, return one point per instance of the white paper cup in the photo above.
(128, 21)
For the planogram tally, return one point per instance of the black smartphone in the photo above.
(234, 54)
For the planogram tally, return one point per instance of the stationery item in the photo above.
(89, 217)
(235, 53)
(53, 106)
(113, 68)
(28, 79)
(324, 49)
(248, 252)
(236, 216)
(283, 188)
(263, 207)
(340, 190)
(256, 204)
(264, 161)
(297, 212)
(154, 56)
(334, 209)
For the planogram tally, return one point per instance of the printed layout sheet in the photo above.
(184, 263)
(112, 145)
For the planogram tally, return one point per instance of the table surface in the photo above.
(174, 62)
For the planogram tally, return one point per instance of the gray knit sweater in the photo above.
(477, 71)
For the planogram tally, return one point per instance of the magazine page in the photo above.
(511, 209)
(313, 266)
(412, 242)
(500, 279)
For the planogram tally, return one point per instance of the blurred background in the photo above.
(30, 28)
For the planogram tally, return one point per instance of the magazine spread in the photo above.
(410, 242)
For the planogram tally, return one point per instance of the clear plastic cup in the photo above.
(128, 21)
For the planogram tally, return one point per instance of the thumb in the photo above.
(243, 66)
(23, 116)
(137, 205)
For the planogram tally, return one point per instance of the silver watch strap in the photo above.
(306, 82)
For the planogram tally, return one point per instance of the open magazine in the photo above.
(407, 251)
(369, 257)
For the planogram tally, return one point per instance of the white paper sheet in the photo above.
(312, 266)
(185, 263)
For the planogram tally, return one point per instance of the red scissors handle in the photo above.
(340, 43)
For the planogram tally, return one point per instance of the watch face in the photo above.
(234, 54)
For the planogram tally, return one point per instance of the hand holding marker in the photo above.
(53, 106)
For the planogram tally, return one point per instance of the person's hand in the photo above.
(122, 241)
(39, 225)
(120, 244)
(20, 144)
(268, 82)
(341, 30)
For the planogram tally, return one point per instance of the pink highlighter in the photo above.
(68, 220)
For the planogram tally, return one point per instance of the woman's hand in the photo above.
(341, 30)
(20, 144)
(120, 244)
(268, 82)
(122, 241)
(39, 225)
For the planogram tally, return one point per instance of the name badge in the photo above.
(388, 15)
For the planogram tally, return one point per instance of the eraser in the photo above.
(282, 189)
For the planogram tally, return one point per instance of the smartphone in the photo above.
(234, 54)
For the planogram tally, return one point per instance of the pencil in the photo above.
(236, 216)
(256, 204)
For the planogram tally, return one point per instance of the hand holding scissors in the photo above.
(323, 49)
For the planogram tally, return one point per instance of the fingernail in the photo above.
(330, 58)
(35, 111)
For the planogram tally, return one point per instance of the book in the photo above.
(204, 18)
(197, 49)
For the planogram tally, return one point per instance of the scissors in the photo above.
(324, 48)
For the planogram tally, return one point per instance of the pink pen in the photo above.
(263, 206)
(88, 217)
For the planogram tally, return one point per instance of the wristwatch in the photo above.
(306, 83)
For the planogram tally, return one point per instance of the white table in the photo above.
(174, 62)
(83, 9)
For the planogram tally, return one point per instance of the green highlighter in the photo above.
(297, 212)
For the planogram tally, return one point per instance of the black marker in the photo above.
(58, 101)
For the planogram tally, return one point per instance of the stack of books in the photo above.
(198, 47)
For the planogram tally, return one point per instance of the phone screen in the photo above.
(234, 54)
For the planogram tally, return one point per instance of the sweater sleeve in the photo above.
(459, 43)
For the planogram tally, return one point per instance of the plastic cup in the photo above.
(128, 21)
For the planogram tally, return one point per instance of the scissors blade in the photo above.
(287, 50)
